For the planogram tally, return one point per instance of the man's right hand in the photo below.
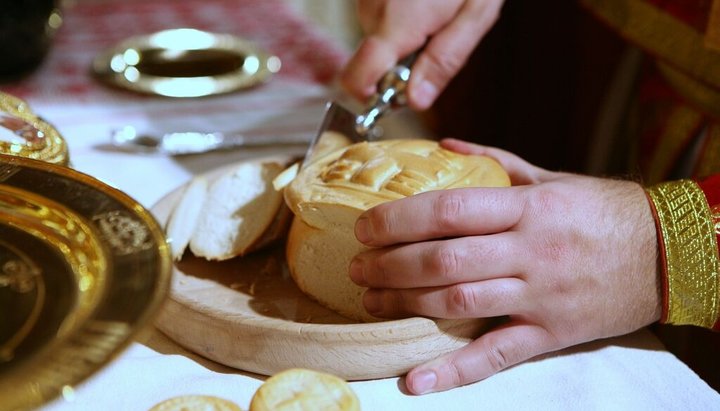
(396, 28)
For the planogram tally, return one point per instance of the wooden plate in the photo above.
(248, 313)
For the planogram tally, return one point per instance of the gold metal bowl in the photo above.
(83, 269)
(22, 133)
(185, 63)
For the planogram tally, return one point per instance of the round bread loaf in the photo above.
(330, 193)
(303, 389)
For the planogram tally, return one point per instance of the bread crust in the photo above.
(330, 193)
(303, 389)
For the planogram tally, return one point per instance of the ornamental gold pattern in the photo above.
(691, 253)
(19, 275)
(125, 234)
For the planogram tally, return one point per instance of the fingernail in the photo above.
(362, 230)
(372, 301)
(424, 94)
(424, 382)
(356, 272)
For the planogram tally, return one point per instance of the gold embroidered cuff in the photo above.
(690, 252)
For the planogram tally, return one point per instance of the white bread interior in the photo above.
(330, 193)
(241, 212)
(185, 215)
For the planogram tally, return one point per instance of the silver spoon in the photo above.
(191, 142)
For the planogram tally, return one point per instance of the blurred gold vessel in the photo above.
(22, 133)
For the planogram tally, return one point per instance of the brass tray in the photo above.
(185, 63)
(83, 268)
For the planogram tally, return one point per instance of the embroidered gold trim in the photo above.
(662, 35)
(679, 127)
(712, 33)
(699, 94)
(709, 162)
(691, 253)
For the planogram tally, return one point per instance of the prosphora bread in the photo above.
(303, 389)
(328, 195)
(196, 403)
(185, 215)
(231, 215)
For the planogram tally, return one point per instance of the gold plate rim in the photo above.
(138, 278)
(114, 67)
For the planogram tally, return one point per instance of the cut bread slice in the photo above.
(241, 212)
(181, 224)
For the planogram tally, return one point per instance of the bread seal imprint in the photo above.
(302, 389)
(330, 193)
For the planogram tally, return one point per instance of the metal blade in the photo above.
(337, 123)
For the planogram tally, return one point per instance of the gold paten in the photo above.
(691, 253)
(32, 136)
(83, 268)
(185, 63)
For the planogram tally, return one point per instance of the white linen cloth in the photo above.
(632, 372)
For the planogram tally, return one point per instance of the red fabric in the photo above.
(711, 187)
(663, 264)
(656, 100)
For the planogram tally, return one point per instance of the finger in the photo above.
(440, 214)
(368, 12)
(373, 58)
(498, 349)
(521, 172)
(448, 50)
(481, 299)
(439, 263)
(394, 30)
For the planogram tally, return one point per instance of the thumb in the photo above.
(496, 350)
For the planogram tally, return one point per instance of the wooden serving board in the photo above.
(247, 313)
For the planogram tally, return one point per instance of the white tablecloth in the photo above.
(633, 372)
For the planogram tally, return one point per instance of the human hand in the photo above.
(396, 28)
(567, 258)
